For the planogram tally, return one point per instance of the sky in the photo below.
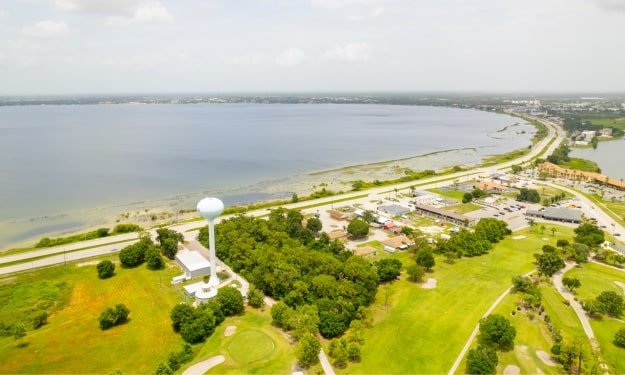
(69, 47)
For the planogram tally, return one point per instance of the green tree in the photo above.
(153, 258)
(255, 297)
(230, 300)
(425, 258)
(113, 316)
(106, 269)
(338, 352)
(134, 255)
(307, 351)
(619, 338)
(314, 225)
(522, 284)
(548, 263)
(481, 361)
(497, 331)
(562, 243)
(281, 314)
(528, 195)
(589, 234)
(571, 283)
(169, 247)
(415, 272)
(163, 369)
(368, 217)
(181, 313)
(358, 228)
(388, 269)
(294, 198)
(612, 303)
(467, 197)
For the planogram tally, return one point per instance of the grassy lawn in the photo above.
(256, 347)
(582, 165)
(423, 330)
(532, 335)
(618, 123)
(596, 278)
(561, 315)
(463, 208)
(72, 341)
(452, 194)
(503, 158)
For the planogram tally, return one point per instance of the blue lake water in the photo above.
(56, 159)
(609, 156)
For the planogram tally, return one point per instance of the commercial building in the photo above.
(192, 263)
(572, 174)
(394, 209)
(452, 217)
(565, 215)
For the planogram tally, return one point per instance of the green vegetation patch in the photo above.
(582, 165)
(453, 194)
(423, 330)
(28, 296)
(250, 346)
(618, 123)
(503, 158)
(72, 342)
(277, 361)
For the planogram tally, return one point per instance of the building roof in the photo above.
(394, 209)
(438, 211)
(397, 241)
(192, 260)
(490, 185)
(365, 250)
(337, 234)
(558, 213)
(338, 214)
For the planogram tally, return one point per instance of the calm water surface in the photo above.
(56, 159)
(610, 155)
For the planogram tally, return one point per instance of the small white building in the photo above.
(192, 263)
(427, 199)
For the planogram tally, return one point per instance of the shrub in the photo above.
(153, 258)
(415, 273)
(255, 297)
(482, 360)
(106, 269)
(40, 319)
(230, 300)
(113, 316)
(619, 337)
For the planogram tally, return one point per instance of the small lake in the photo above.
(610, 155)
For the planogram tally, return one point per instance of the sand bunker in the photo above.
(230, 330)
(429, 284)
(622, 285)
(518, 237)
(546, 358)
(511, 370)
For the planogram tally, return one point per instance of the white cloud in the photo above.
(340, 4)
(290, 57)
(98, 6)
(618, 5)
(46, 30)
(373, 14)
(354, 52)
(250, 59)
(148, 13)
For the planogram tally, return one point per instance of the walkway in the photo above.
(577, 307)
(201, 368)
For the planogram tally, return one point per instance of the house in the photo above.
(606, 132)
(393, 244)
(394, 209)
(588, 135)
(337, 234)
(491, 187)
(338, 215)
(192, 263)
(365, 251)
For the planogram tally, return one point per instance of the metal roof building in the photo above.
(567, 215)
(193, 263)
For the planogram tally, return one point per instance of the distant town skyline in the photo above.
(71, 47)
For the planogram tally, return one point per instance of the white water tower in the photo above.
(210, 209)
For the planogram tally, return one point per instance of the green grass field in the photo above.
(72, 341)
(257, 347)
(463, 208)
(423, 330)
(582, 165)
(596, 278)
(452, 194)
(618, 123)
(532, 335)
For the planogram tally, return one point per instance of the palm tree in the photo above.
(553, 231)
(531, 223)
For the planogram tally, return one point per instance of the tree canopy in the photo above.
(358, 228)
(589, 234)
(496, 331)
